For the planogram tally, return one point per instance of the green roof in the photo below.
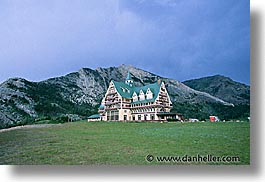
(101, 106)
(166, 113)
(123, 89)
(127, 91)
(129, 76)
(94, 116)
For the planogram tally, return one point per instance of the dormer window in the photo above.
(141, 95)
(135, 97)
(149, 94)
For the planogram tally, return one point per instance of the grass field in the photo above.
(114, 143)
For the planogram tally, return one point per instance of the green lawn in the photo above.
(114, 143)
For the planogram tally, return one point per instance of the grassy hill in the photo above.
(114, 143)
(222, 87)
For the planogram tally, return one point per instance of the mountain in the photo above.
(222, 87)
(79, 94)
(229, 91)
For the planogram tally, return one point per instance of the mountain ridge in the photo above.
(79, 93)
(222, 87)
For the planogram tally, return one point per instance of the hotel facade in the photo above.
(125, 102)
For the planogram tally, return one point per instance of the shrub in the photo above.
(172, 120)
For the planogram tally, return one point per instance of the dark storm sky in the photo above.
(180, 39)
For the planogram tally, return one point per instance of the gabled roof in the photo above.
(154, 87)
(128, 76)
(94, 116)
(127, 91)
(101, 106)
(123, 89)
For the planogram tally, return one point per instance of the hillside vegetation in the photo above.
(77, 95)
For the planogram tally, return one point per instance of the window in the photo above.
(135, 97)
(149, 94)
(141, 95)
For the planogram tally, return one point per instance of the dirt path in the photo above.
(29, 126)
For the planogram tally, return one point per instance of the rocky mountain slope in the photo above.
(80, 93)
(222, 87)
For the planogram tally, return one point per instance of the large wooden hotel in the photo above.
(125, 102)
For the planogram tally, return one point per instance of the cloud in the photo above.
(178, 39)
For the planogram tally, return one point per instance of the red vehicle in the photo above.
(214, 119)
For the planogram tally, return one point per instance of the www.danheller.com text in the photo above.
(196, 158)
